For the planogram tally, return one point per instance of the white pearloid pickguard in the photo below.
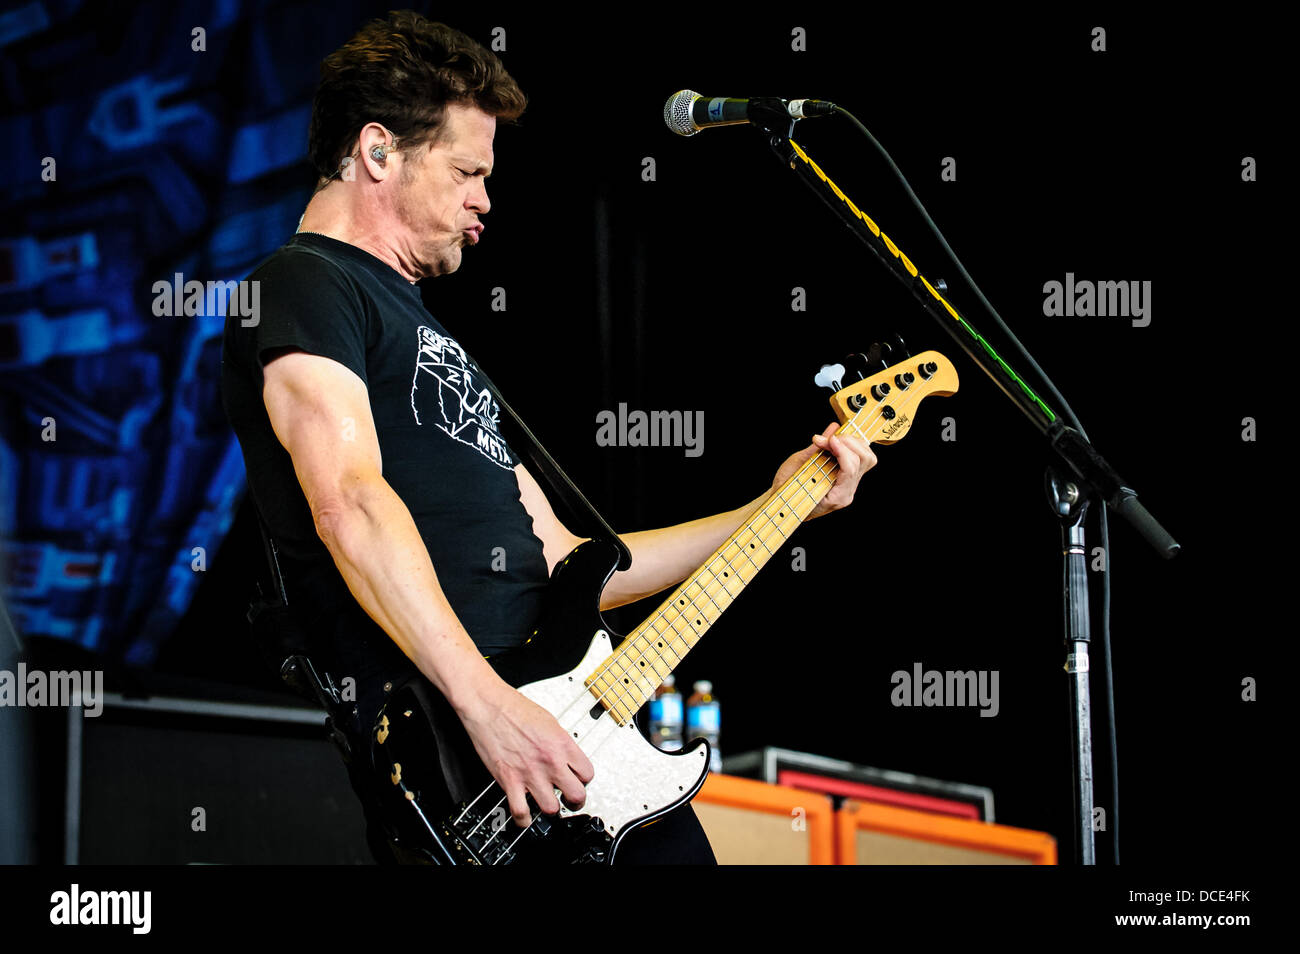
(633, 781)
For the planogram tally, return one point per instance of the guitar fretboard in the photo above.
(629, 677)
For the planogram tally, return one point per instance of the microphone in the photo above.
(687, 112)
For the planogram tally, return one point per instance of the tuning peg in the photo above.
(857, 366)
(874, 359)
(830, 376)
(900, 349)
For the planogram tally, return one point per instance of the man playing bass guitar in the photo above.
(371, 448)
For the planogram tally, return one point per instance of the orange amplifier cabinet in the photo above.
(753, 823)
(869, 834)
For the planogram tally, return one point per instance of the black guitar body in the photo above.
(442, 804)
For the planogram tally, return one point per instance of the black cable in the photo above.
(1072, 418)
(1110, 685)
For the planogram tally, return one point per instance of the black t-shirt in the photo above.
(439, 442)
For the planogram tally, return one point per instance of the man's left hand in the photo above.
(854, 457)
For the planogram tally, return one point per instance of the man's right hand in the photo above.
(526, 750)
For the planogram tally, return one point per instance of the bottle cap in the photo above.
(704, 686)
(669, 681)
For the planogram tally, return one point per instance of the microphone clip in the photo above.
(772, 116)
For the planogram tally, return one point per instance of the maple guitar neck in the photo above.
(880, 409)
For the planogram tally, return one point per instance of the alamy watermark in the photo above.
(933, 687)
(651, 429)
(38, 688)
(172, 299)
(129, 908)
(1087, 299)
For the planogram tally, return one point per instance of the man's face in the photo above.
(441, 192)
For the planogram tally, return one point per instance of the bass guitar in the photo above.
(442, 804)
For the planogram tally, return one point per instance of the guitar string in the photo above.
(675, 599)
(818, 461)
(824, 464)
(633, 657)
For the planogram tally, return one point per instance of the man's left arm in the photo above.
(662, 558)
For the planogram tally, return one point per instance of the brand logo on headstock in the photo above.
(895, 427)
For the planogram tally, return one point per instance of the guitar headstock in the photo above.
(883, 405)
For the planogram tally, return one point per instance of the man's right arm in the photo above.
(320, 411)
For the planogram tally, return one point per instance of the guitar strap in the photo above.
(279, 638)
(587, 521)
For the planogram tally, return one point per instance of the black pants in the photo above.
(675, 839)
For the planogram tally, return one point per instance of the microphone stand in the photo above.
(1077, 474)
(1070, 505)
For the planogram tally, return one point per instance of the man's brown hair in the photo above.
(403, 72)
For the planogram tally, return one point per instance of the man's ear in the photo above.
(376, 146)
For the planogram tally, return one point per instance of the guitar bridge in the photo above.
(491, 839)
(483, 840)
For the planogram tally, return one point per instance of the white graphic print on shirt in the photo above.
(445, 392)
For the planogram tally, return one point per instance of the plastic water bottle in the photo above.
(666, 717)
(704, 720)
